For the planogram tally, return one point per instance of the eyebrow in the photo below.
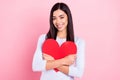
(59, 15)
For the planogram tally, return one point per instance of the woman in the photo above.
(61, 30)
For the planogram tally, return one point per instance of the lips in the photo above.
(59, 26)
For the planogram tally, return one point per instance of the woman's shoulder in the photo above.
(79, 40)
(42, 37)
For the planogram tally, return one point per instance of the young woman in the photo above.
(61, 30)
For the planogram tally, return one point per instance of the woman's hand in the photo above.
(59, 63)
(70, 59)
(47, 57)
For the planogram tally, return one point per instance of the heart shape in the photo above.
(52, 48)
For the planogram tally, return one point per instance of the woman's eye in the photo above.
(61, 17)
(54, 18)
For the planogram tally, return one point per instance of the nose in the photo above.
(58, 21)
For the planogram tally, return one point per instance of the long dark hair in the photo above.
(52, 33)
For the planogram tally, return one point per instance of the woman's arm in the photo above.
(78, 69)
(64, 69)
(38, 63)
(51, 63)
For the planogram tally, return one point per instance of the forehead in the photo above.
(58, 12)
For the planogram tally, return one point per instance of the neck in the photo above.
(62, 34)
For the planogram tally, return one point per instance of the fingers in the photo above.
(70, 59)
(45, 54)
(73, 56)
(47, 57)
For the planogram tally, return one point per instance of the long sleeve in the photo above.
(78, 69)
(38, 63)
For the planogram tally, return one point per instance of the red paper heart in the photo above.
(52, 48)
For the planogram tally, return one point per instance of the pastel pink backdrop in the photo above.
(23, 21)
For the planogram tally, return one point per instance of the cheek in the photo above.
(54, 22)
(66, 22)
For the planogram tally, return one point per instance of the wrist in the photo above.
(63, 62)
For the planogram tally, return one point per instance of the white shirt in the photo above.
(39, 64)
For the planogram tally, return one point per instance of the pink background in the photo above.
(23, 21)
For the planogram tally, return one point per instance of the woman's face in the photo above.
(60, 20)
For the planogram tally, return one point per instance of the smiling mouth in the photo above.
(59, 26)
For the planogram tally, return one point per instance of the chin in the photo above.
(60, 30)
